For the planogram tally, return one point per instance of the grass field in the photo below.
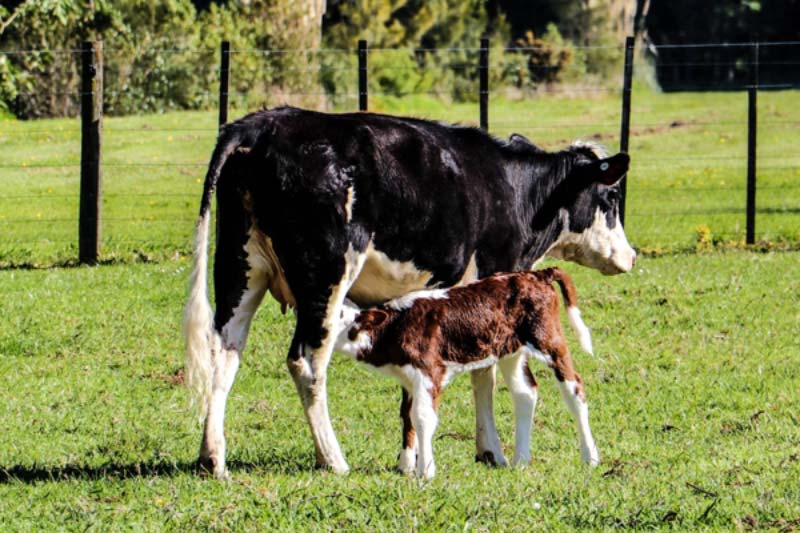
(693, 395)
(693, 401)
(687, 177)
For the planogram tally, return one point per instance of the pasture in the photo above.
(687, 178)
(693, 402)
(693, 393)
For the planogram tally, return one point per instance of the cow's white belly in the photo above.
(383, 279)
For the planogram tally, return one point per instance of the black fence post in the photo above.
(483, 74)
(224, 80)
(625, 126)
(752, 124)
(91, 135)
(362, 75)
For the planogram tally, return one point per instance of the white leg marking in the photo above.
(227, 351)
(424, 418)
(580, 412)
(486, 438)
(313, 387)
(408, 459)
(524, 396)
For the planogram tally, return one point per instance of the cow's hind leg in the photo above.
(524, 392)
(239, 288)
(488, 448)
(320, 294)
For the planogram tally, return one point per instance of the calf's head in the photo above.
(591, 232)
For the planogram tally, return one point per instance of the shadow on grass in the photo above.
(285, 463)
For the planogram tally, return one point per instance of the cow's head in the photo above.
(591, 233)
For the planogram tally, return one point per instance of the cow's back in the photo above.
(418, 195)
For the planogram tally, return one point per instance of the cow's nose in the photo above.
(633, 260)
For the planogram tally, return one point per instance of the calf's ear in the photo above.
(608, 171)
(372, 318)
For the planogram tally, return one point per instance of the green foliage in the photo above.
(434, 44)
(538, 60)
(159, 55)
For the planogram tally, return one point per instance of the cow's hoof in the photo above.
(211, 466)
(489, 458)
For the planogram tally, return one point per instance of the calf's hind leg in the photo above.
(571, 387)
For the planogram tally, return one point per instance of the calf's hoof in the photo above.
(340, 469)
(407, 461)
(590, 457)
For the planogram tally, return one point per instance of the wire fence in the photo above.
(687, 187)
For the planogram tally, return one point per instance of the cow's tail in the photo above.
(571, 302)
(198, 328)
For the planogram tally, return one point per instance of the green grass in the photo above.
(693, 402)
(693, 395)
(688, 172)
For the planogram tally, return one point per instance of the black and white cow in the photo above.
(317, 207)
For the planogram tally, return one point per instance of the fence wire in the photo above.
(687, 177)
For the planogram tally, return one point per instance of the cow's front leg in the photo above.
(318, 322)
(487, 443)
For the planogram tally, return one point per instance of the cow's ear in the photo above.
(515, 140)
(607, 171)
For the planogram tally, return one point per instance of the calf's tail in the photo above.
(571, 302)
(198, 326)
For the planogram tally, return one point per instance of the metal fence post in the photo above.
(483, 74)
(224, 80)
(625, 126)
(91, 135)
(362, 75)
(752, 124)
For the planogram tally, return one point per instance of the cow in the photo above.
(316, 207)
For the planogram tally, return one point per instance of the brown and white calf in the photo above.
(424, 338)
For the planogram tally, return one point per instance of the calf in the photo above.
(423, 339)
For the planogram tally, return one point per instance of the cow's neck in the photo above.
(549, 193)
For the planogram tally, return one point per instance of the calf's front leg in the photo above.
(524, 392)
(424, 400)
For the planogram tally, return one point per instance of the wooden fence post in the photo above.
(483, 74)
(89, 223)
(362, 75)
(224, 80)
(752, 124)
(625, 126)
